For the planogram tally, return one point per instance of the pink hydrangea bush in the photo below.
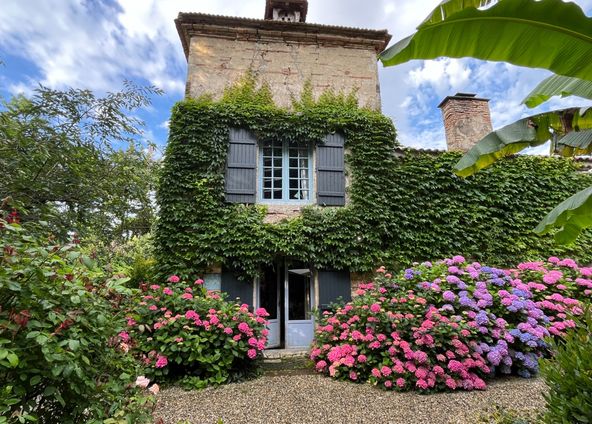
(181, 330)
(511, 327)
(450, 324)
(397, 341)
(558, 286)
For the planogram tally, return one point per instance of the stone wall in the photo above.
(466, 121)
(216, 63)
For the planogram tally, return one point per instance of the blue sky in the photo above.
(97, 44)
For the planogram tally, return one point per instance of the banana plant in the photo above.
(548, 34)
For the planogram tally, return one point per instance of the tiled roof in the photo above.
(188, 22)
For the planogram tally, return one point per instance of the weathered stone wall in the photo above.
(466, 121)
(215, 63)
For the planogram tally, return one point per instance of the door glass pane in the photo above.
(298, 297)
(268, 293)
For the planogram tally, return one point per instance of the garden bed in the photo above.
(317, 399)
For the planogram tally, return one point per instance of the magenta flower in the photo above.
(187, 296)
(252, 353)
(167, 291)
(174, 279)
(161, 361)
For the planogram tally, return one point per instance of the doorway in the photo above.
(286, 291)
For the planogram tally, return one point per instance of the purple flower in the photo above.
(448, 296)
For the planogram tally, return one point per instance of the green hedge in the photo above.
(402, 209)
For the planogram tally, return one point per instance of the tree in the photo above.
(77, 160)
(546, 34)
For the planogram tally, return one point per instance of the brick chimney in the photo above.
(466, 120)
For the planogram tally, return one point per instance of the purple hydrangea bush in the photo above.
(465, 321)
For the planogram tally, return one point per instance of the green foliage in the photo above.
(547, 34)
(558, 85)
(402, 209)
(569, 375)
(57, 320)
(133, 258)
(184, 332)
(78, 161)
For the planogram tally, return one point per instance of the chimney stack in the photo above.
(466, 120)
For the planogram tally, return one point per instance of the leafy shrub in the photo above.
(182, 330)
(569, 375)
(133, 259)
(58, 320)
(464, 321)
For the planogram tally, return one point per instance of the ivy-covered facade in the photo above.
(286, 202)
(402, 205)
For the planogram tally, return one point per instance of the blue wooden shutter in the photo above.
(331, 171)
(236, 288)
(241, 167)
(333, 285)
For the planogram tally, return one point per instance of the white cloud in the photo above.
(98, 43)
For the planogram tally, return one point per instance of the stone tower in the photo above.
(466, 120)
(282, 50)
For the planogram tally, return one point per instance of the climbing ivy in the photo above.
(403, 207)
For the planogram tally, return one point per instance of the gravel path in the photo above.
(303, 399)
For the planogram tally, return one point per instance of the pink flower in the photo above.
(153, 308)
(388, 384)
(154, 287)
(420, 356)
(353, 376)
(186, 296)
(228, 330)
(422, 384)
(450, 383)
(400, 382)
(191, 315)
(199, 282)
(161, 361)
(174, 279)
(154, 389)
(236, 337)
(362, 358)
(167, 291)
(252, 353)
(386, 371)
(179, 339)
(376, 372)
(375, 308)
(124, 335)
(142, 382)
(131, 322)
(320, 365)
(243, 327)
(261, 312)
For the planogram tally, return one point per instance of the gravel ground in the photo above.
(303, 399)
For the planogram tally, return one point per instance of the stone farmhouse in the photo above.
(287, 52)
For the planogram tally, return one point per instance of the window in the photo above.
(285, 174)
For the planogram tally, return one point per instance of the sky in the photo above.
(97, 44)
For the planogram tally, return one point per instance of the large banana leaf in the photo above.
(558, 85)
(450, 7)
(571, 216)
(546, 34)
(528, 132)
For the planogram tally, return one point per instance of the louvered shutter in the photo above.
(331, 171)
(235, 288)
(332, 286)
(241, 167)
